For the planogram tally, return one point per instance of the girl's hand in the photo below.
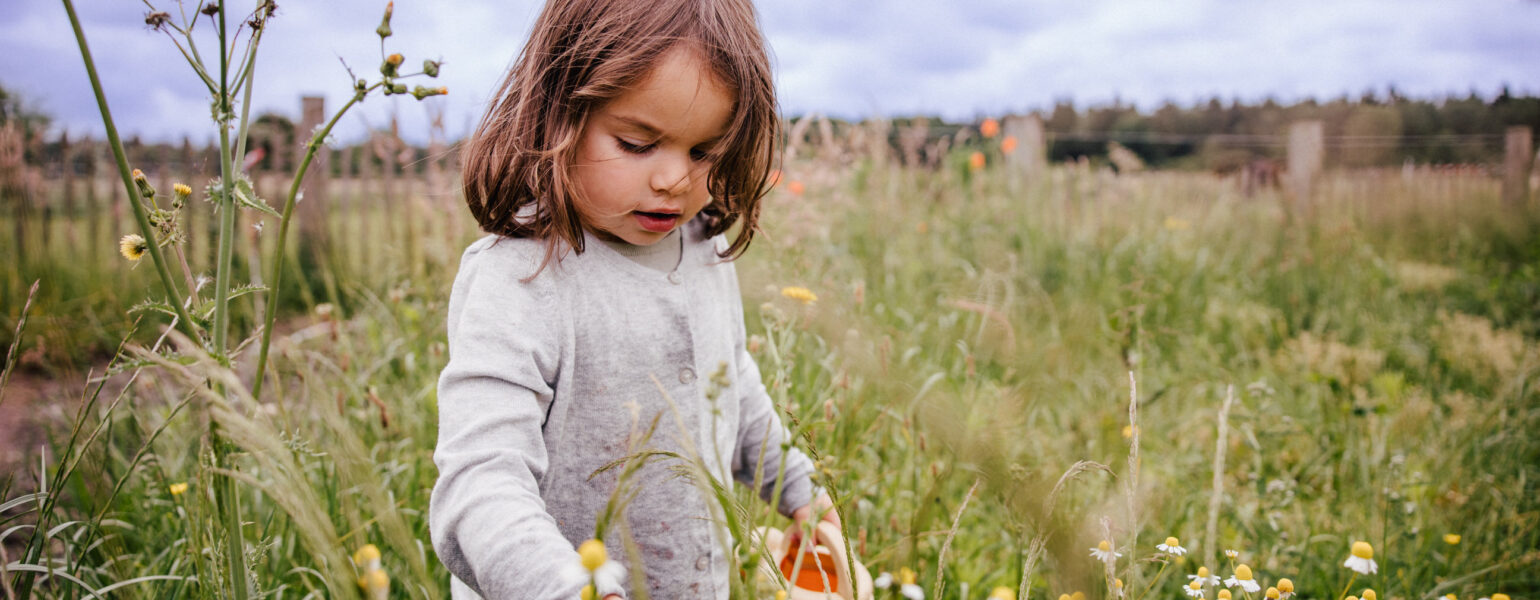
(820, 508)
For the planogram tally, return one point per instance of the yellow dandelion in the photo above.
(181, 189)
(1002, 593)
(367, 558)
(133, 246)
(178, 489)
(800, 294)
(376, 584)
(1362, 559)
(1453, 539)
(593, 554)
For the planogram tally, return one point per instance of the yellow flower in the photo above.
(394, 60)
(588, 592)
(1224, 595)
(1453, 539)
(1172, 545)
(376, 584)
(1077, 596)
(1285, 588)
(1243, 578)
(181, 189)
(1002, 593)
(1451, 596)
(593, 555)
(1175, 224)
(1499, 596)
(800, 294)
(780, 595)
(1008, 144)
(1362, 559)
(133, 246)
(367, 558)
(906, 576)
(178, 489)
(1194, 589)
(990, 128)
(1272, 593)
(1369, 595)
(1103, 552)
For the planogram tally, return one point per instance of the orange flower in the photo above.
(795, 187)
(990, 128)
(976, 161)
(1008, 145)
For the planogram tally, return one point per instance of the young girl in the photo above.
(626, 140)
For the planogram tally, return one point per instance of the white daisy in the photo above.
(883, 581)
(1232, 554)
(1362, 559)
(1285, 588)
(1194, 589)
(1203, 577)
(1243, 578)
(912, 591)
(1172, 546)
(1103, 552)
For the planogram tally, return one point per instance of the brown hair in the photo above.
(583, 53)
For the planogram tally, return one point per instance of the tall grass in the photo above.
(972, 328)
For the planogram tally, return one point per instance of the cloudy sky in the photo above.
(849, 58)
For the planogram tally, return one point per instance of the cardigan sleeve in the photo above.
(487, 520)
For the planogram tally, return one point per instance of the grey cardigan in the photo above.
(551, 379)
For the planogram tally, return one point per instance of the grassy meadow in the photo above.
(1365, 371)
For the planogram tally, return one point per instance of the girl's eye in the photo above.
(698, 154)
(633, 148)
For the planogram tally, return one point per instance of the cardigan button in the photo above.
(687, 375)
(702, 562)
(673, 277)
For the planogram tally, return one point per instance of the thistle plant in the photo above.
(229, 76)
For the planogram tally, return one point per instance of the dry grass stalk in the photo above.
(1211, 533)
(947, 545)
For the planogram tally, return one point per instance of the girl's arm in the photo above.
(759, 428)
(488, 522)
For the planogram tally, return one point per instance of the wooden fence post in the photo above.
(1306, 153)
(1030, 154)
(1517, 161)
(312, 211)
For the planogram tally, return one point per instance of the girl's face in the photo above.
(642, 158)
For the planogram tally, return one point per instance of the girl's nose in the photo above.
(672, 178)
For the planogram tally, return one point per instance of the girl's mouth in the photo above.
(656, 222)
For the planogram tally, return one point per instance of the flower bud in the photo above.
(384, 28)
(388, 67)
(143, 183)
(423, 92)
(398, 88)
(430, 67)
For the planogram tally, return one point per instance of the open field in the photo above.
(976, 335)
